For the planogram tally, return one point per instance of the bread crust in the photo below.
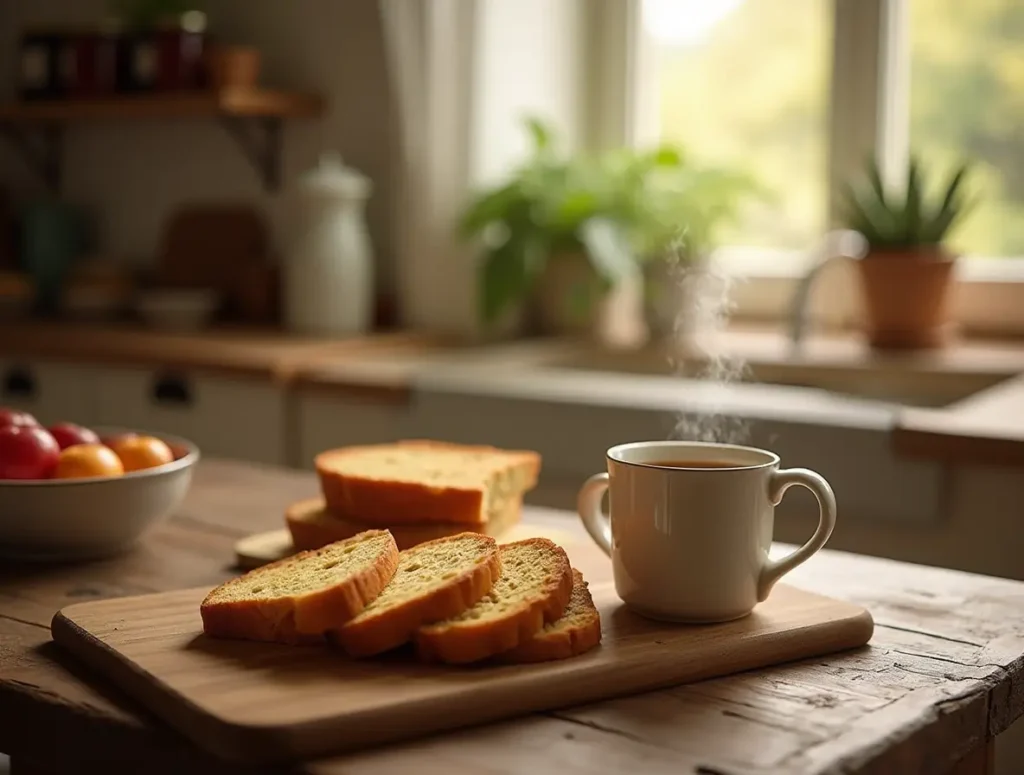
(566, 642)
(302, 618)
(312, 527)
(388, 503)
(393, 626)
(473, 642)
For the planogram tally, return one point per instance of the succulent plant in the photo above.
(896, 222)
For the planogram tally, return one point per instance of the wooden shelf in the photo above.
(239, 103)
(253, 118)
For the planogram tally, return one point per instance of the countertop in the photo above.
(265, 353)
(977, 387)
(939, 680)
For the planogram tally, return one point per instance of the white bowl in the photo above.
(185, 309)
(75, 519)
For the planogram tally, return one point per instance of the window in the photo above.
(745, 83)
(967, 99)
(798, 92)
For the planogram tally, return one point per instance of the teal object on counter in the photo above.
(53, 235)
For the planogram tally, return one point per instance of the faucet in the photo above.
(840, 243)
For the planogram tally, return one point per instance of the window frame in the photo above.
(871, 70)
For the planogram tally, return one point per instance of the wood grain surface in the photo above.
(229, 102)
(239, 351)
(260, 703)
(941, 677)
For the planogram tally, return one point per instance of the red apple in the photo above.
(27, 452)
(10, 416)
(68, 434)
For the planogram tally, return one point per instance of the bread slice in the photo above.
(435, 580)
(534, 588)
(577, 631)
(295, 600)
(411, 482)
(312, 525)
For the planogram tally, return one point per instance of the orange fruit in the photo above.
(85, 460)
(140, 452)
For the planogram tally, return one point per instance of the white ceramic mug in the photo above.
(691, 543)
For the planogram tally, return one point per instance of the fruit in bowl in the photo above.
(87, 460)
(68, 434)
(27, 452)
(66, 450)
(86, 501)
(15, 417)
(141, 452)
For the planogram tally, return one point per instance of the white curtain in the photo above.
(429, 46)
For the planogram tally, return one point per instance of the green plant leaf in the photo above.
(912, 208)
(950, 209)
(953, 187)
(540, 133)
(608, 249)
(507, 273)
(668, 156)
(875, 178)
(488, 208)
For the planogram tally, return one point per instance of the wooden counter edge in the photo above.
(986, 428)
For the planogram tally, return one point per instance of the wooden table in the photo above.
(940, 679)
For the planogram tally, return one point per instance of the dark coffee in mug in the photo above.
(674, 463)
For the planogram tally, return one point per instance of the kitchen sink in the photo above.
(899, 382)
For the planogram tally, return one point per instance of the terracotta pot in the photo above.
(566, 277)
(613, 318)
(907, 298)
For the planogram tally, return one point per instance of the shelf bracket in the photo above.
(260, 141)
(41, 148)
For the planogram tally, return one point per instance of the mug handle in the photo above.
(779, 482)
(588, 505)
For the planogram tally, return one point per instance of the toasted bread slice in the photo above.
(312, 525)
(435, 580)
(578, 630)
(534, 589)
(412, 482)
(295, 600)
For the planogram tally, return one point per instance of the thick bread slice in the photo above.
(577, 631)
(534, 588)
(387, 485)
(295, 600)
(436, 580)
(312, 525)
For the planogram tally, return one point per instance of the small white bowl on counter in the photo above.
(78, 519)
(178, 309)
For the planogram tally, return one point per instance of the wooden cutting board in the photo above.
(261, 703)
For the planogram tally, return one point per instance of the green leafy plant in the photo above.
(899, 222)
(618, 209)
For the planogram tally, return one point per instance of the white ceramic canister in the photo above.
(328, 273)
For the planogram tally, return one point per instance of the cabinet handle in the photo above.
(172, 391)
(19, 383)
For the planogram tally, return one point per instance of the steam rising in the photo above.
(704, 304)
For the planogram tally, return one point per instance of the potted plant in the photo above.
(547, 225)
(683, 223)
(574, 232)
(907, 272)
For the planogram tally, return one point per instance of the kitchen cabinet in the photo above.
(51, 391)
(236, 417)
(327, 419)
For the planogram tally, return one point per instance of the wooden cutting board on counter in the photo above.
(262, 703)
